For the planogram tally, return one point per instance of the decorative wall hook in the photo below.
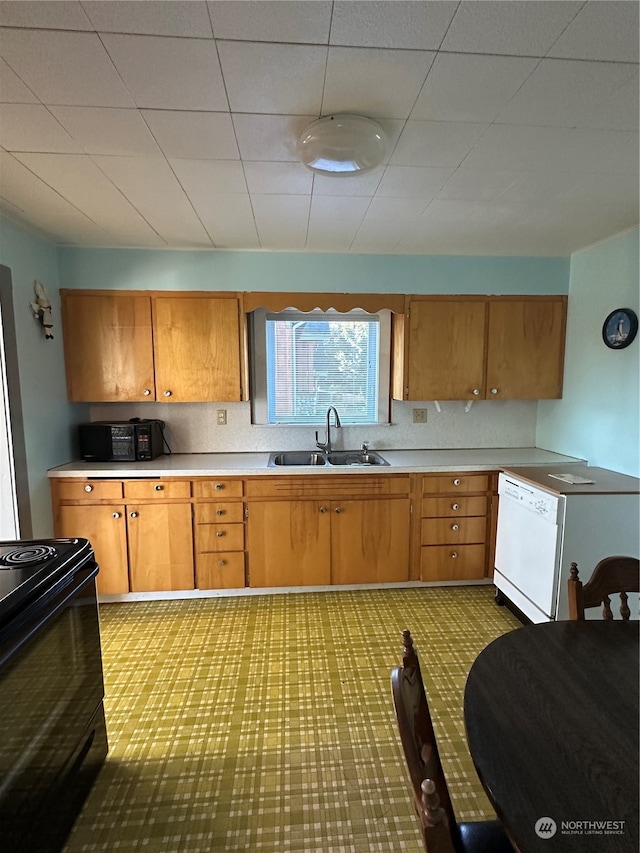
(42, 309)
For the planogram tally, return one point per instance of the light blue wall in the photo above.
(598, 416)
(170, 270)
(46, 414)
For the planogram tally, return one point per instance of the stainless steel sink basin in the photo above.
(336, 457)
(356, 457)
(296, 457)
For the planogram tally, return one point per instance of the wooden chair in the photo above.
(441, 833)
(612, 575)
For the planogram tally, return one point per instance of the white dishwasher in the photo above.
(549, 518)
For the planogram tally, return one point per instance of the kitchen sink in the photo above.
(336, 457)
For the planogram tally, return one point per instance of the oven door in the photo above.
(51, 688)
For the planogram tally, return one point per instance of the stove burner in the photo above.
(26, 556)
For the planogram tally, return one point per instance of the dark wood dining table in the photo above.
(551, 714)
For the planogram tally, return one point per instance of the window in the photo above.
(305, 362)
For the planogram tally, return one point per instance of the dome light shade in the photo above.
(342, 145)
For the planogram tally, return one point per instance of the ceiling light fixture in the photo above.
(342, 145)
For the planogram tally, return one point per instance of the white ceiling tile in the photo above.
(54, 14)
(601, 30)
(193, 135)
(31, 127)
(281, 220)
(378, 236)
(12, 89)
(65, 67)
(348, 185)
(372, 82)
(27, 191)
(280, 21)
(334, 235)
(215, 176)
(435, 143)
(291, 178)
(412, 182)
(265, 137)
(103, 130)
(395, 24)
(480, 184)
(568, 93)
(169, 73)
(515, 28)
(153, 17)
(273, 78)
(470, 87)
(349, 208)
(80, 181)
(228, 218)
(397, 209)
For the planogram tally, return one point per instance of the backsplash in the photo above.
(193, 428)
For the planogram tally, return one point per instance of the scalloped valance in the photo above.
(370, 302)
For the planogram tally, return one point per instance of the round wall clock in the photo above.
(620, 328)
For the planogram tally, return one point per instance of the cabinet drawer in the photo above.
(445, 531)
(220, 571)
(449, 507)
(94, 490)
(219, 513)
(453, 483)
(216, 488)
(219, 537)
(155, 489)
(452, 563)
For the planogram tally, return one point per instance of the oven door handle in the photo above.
(11, 642)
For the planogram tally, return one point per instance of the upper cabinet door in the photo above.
(108, 346)
(525, 358)
(197, 348)
(446, 350)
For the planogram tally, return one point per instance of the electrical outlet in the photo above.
(222, 417)
(419, 416)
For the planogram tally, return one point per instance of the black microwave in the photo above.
(121, 441)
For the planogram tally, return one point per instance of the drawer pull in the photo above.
(338, 510)
(455, 527)
(457, 482)
(88, 488)
(133, 515)
(219, 487)
(219, 512)
(158, 488)
(116, 515)
(323, 509)
(222, 562)
(455, 506)
(220, 533)
(454, 555)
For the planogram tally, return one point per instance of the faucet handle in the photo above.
(365, 447)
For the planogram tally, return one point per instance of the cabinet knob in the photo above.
(219, 487)
(133, 515)
(323, 509)
(456, 482)
(455, 506)
(455, 527)
(116, 515)
(146, 392)
(158, 488)
(167, 393)
(220, 533)
(476, 392)
(338, 510)
(219, 512)
(454, 555)
(222, 562)
(88, 488)
(494, 390)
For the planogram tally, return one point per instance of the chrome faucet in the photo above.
(325, 446)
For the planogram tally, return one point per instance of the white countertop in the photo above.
(252, 464)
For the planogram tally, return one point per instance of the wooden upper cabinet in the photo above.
(108, 346)
(197, 348)
(525, 348)
(446, 350)
(134, 346)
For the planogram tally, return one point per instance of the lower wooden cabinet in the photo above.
(160, 547)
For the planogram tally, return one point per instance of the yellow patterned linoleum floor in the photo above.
(265, 723)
